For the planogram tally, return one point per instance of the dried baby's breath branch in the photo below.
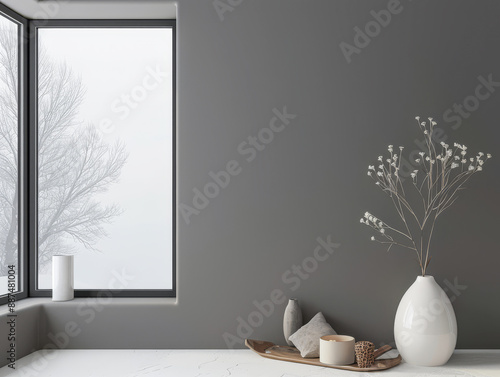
(443, 174)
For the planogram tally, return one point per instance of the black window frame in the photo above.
(28, 152)
(23, 121)
(34, 26)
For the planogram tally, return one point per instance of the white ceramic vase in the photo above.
(425, 328)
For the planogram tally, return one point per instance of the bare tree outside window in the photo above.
(74, 163)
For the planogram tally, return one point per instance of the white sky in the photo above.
(112, 63)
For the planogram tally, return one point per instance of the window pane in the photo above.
(105, 155)
(9, 160)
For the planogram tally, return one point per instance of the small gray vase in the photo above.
(292, 319)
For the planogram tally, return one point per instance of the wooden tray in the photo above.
(285, 353)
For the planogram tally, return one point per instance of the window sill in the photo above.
(116, 301)
(35, 302)
(23, 304)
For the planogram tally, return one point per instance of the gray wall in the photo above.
(310, 181)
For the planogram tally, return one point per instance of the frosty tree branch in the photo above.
(74, 163)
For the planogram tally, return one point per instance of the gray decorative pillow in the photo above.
(306, 339)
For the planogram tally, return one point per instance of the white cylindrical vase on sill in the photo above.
(62, 278)
(425, 328)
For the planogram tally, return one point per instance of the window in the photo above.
(87, 155)
(12, 121)
(105, 155)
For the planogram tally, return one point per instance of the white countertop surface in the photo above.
(220, 363)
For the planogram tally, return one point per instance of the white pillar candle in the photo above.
(62, 278)
(336, 349)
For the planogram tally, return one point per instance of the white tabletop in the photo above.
(220, 363)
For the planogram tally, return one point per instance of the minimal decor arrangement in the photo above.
(306, 339)
(62, 278)
(336, 349)
(292, 319)
(425, 327)
(272, 351)
(317, 343)
(365, 354)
